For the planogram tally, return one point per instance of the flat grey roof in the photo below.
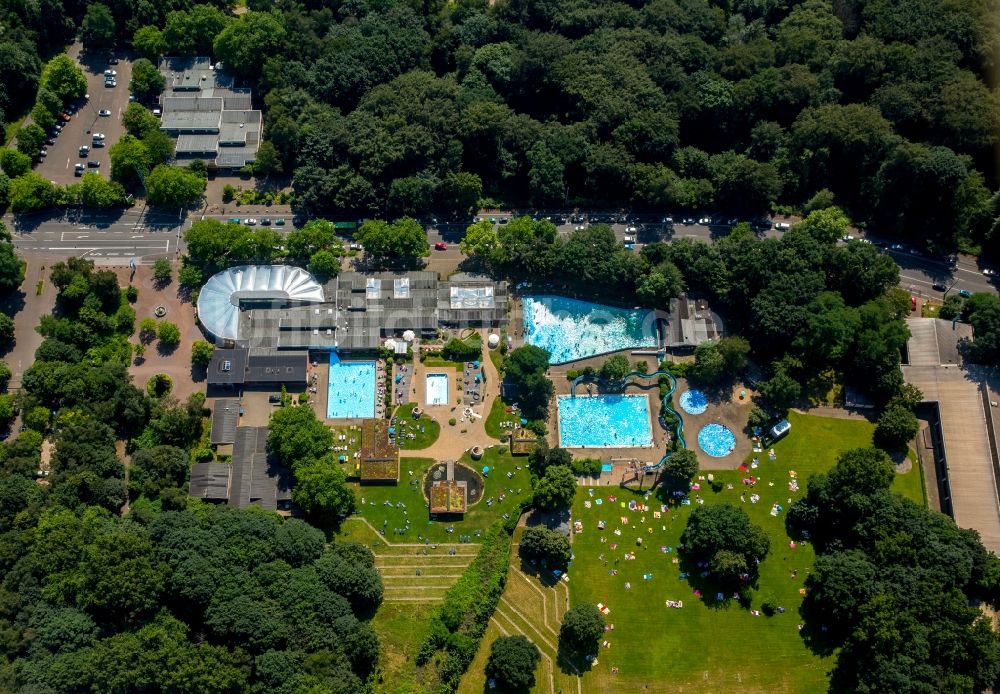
(224, 417)
(210, 481)
(228, 367)
(256, 480)
(963, 426)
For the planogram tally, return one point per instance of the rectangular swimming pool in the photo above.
(604, 421)
(436, 389)
(350, 391)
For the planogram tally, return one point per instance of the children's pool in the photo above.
(604, 421)
(350, 391)
(569, 329)
(436, 389)
(693, 401)
(717, 440)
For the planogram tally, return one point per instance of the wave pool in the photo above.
(716, 440)
(693, 401)
(570, 329)
(604, 421)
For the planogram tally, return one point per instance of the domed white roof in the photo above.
(218, 302)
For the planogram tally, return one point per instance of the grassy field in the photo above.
(401, 628)
(391, 506)
(708, 645)
(426, 431)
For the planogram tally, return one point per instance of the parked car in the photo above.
(938, 286)
(50, 141)
(233, 220)
(782, 226)
(988, 272)
(65, 117)
(846, 237)
(274, 399)
(964, 293)
(94, 163)
(43, 153)
(250, 221)
(112, 61)
(104, 112)
(84, 151)
(439, 246)
(279, 222)
(265, 221)
(110, 73)
(705, 220)
(78, 170)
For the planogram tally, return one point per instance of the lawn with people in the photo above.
(415, 434)
(671, 630)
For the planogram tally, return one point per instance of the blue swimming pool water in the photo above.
(571, 329)
(604, 421)
(436, 391)
(716, 440)
(693, 401)
(351, 390)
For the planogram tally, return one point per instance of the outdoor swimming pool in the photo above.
(693, 401)
(436, 389)
(571, 329)
(604, 421)
(350, 392)
(716, 440)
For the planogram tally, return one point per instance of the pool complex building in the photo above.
(604, 421)
(436, 389)
(350, 389)
(570, 329)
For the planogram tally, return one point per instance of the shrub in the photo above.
(590, 467)
(168, 334)
(162, 271)
(159, 386)
(452, 421)
(131, 294)
(463, 350)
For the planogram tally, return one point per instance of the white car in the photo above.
(705, 220)
(988, 272)
(110, 73)
(104, 112)
(782, 226)
(847, 237)
(250, 221)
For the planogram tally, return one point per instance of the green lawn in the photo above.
(707, 645)
(352, 440)
(372, 500)
(401, 628)
(498, 414)
(426, 430)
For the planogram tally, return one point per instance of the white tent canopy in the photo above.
(409, 336)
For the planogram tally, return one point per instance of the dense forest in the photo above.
(887, 109)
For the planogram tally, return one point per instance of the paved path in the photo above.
(452, 443)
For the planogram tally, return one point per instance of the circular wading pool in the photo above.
(693, 401)
(716, 440)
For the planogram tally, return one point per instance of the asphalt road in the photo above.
(147, 235)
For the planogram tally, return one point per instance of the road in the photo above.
(144, 235)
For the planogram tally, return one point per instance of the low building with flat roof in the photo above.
(225, 415)
(211, 482)
(210, 118)
(448, 497)
(691, 322)
(258, 366)
(379, 457)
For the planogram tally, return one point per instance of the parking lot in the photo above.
(65, 153)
